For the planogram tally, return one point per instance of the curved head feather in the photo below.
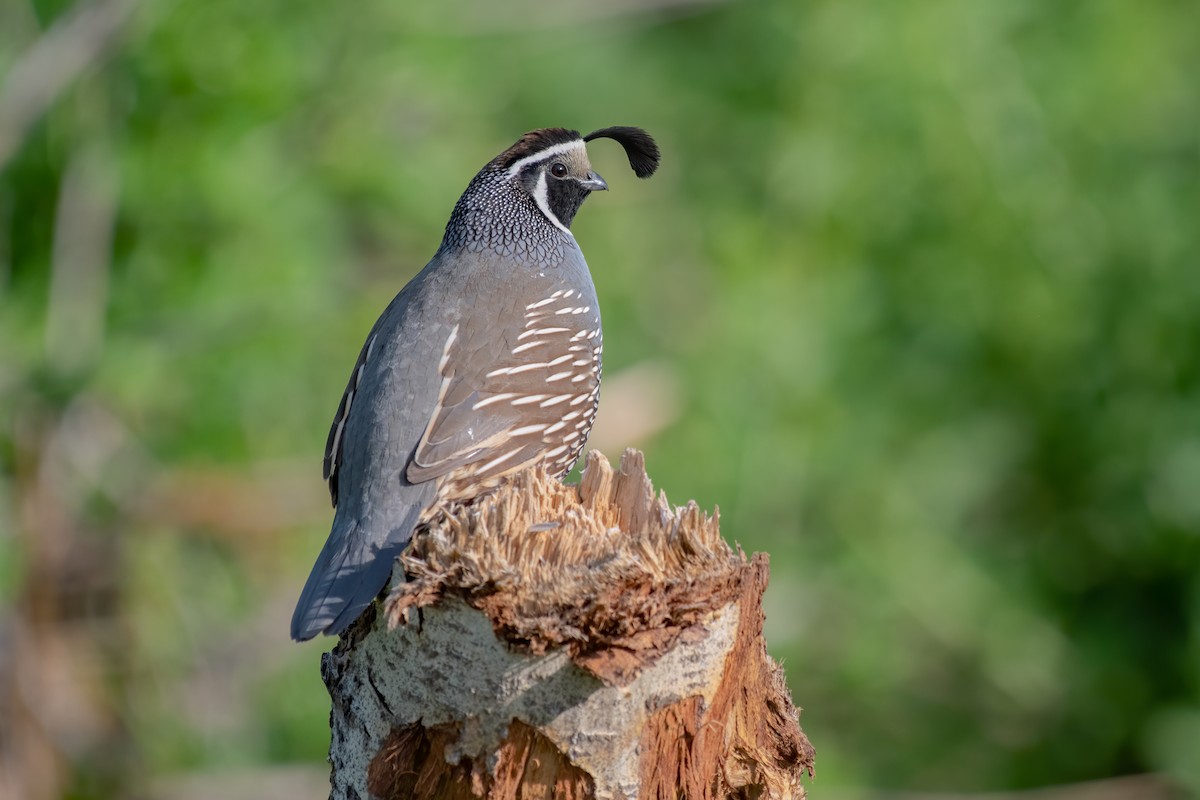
(639, 146)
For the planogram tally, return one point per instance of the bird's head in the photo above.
(551, 165)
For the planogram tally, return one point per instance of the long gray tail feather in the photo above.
(350, 571)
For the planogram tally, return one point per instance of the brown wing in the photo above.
(514, 398)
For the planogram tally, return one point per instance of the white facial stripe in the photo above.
(553, 150)
(540, 197)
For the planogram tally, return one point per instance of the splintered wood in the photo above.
(557, 641)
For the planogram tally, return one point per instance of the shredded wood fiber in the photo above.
(605, 568)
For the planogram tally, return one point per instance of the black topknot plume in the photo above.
(639, 147)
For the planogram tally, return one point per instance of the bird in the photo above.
(486, 363)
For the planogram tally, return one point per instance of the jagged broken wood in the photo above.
(557, 641)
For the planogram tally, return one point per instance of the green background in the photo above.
(914, 299)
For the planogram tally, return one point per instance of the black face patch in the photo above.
(564, 196)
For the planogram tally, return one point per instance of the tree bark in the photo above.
(558, 641)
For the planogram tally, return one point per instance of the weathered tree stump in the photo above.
(558, 641)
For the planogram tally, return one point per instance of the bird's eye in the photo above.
(558, 169)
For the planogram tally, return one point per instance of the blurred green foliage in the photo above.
(926, 274)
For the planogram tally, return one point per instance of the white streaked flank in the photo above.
(496, 398)
(546, 302)
(526, 430)
(542, 332)
(498, 460)
(521, 348)
(446, 348)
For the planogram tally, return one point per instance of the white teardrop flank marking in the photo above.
(583, 362)
(521, 348)
(579, 398)
(570, 436)
(526, 430)
(573, 310)
(337, 437)
(370, 347)
(555, 428)
(541, 155)
(558, 376)
(527, 399)
(593, 334)
(542, 199)
(578, 336)
(496, 398)
(558, 361)
(497, 461)
(527, 368)
(446, 348)
(542, 332)
(517, 370)
(541, 303)
(568, 293)
(556, 451)
(553, 401)
(571, 416)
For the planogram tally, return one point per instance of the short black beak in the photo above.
(594, 183)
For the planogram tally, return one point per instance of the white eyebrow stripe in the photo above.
(541, 155)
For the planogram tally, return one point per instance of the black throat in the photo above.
(564, 196)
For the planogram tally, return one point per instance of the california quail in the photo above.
(486, 363)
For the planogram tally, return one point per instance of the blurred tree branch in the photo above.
(78, 40)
